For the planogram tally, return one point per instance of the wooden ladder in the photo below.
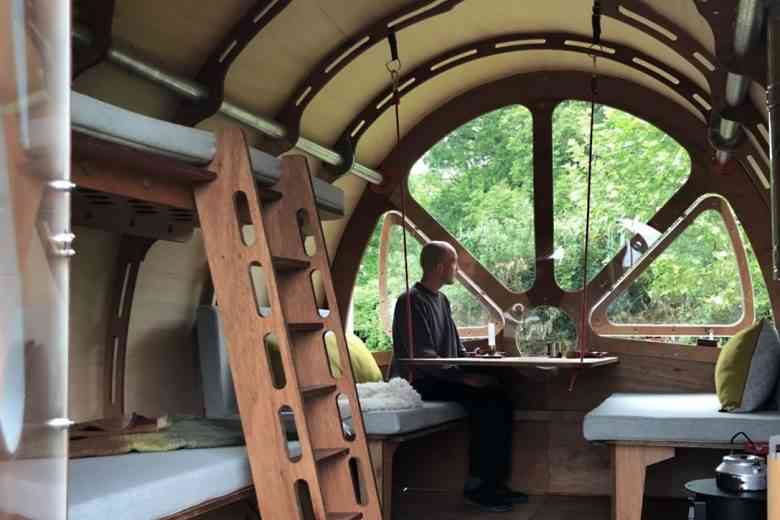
(273, 237)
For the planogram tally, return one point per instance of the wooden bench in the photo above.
(645, 429)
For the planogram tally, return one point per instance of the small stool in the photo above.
(712, 503)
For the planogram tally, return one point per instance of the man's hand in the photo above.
(478, 380)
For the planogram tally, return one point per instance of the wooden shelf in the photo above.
(527, 361)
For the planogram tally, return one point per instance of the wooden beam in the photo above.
(132, 251)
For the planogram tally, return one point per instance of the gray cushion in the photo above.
(764, 369)
(674, 417)
(432, 413)
(140, 486)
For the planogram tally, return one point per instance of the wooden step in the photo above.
(323, 455)
(345, 516)
(282, 264)
(317, 390)
(268, 194)
(304, 326)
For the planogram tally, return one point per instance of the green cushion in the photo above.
(733, 365)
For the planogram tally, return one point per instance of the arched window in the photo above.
(477, 182)
(636, 169)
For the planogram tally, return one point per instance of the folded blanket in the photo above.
(396, 394)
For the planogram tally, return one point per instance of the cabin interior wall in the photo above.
(550, 456)
(92, 272)
(162, 370)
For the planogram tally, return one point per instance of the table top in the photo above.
(709, 487)
(516, 361)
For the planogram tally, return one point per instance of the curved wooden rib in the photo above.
(132, 251)
(347, 52)
(520, 42)
(599, 316)
(212, 74)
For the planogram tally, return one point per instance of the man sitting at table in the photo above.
(434, 335)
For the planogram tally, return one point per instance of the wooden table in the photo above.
(524, 361)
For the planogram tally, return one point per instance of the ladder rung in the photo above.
(317, 390)
(345, 516)
(267, 194)
(323, 455)
(304, 326)
(289, 264)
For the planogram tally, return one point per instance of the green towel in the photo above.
(183, 432)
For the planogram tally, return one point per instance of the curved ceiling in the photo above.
(266, 75)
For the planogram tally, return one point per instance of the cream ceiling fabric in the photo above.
(178, 35)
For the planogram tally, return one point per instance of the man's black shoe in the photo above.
(513, 497)
(488, 502)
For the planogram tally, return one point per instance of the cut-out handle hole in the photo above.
(358, 482)
(260, 291)
(332, 353)
(275, 364)
(246, 227)
(344, 407)
(323, 309)
(290, 433)
(307, 233)
(305, 507)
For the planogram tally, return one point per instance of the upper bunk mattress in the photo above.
(194, 146)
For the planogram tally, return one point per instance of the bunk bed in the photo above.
(130, 154)
(127, 155)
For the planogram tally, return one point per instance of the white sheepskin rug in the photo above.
(396, 394)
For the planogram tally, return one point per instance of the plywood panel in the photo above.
(162, 373)
(92, 272)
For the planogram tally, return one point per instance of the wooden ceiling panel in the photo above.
(685, 14)
(378, 141)
(114, 85)
(176, 34)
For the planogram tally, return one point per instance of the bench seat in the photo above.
(140, 486)
(645, 429)
(685, 418)
(399, 422)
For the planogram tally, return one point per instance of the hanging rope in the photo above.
(394, 68)
(583, 335)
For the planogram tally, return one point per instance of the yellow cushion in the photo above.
(364, 367)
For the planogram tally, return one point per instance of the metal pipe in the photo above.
(747, 31)
(192, 91)
(772, 98)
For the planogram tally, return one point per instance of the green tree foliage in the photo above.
(478, 183)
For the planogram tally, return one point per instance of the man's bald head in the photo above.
(434, 254)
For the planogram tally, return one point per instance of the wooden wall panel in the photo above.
(550, 454)
(162, 374)
(91, 273)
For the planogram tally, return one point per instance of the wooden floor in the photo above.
(438, 506)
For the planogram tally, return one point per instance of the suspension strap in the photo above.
(394, 68)
(583, 335)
